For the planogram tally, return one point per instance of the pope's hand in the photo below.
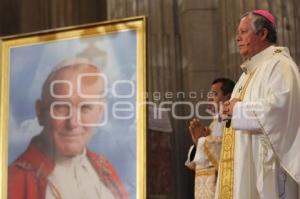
(197, 130)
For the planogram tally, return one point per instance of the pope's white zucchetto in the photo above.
(75, 61)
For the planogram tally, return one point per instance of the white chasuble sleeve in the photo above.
(274, 110)
(190, 162)
(244, 118)
(199, 159)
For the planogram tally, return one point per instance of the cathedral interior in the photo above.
(189, 43)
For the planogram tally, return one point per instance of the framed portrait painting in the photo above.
(73, 117)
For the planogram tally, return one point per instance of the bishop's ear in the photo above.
(263, 34)
(40, 112)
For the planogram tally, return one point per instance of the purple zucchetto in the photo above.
(267, 15)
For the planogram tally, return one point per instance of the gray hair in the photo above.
(259, 22)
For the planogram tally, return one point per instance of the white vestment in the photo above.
(267, 128)
(75, 178)
(205, 161)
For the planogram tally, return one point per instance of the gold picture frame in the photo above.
(119, 47)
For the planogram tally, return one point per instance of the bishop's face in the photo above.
(247, 39)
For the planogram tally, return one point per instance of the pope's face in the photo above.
(247, 39)
(70, 112)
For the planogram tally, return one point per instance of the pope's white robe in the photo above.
(75, 178)
(266, 125)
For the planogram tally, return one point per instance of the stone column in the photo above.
(164, 78)
(201, 40)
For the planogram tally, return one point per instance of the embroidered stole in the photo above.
(226, 171)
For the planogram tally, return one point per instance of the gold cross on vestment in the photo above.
(240, 89)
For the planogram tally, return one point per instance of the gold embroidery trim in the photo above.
(226, 165)
(226, 179)
(206, 172)
(210, 156)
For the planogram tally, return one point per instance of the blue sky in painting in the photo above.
(29, 67)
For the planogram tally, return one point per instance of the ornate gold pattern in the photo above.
(277, 51)
(205, 183)
(206, 172)
(226, 180)
(210, 156)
